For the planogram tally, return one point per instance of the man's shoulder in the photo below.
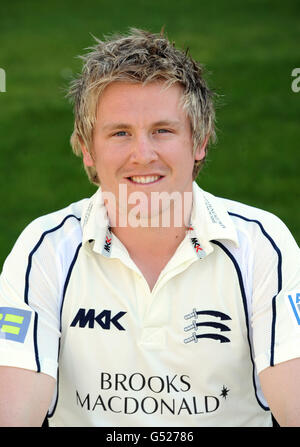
(249, 218)
(50, 220)
(47, 239)
(54, 218)
(246, 211)
(240, 222)
(61, 223)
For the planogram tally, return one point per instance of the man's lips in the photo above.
(144, 179)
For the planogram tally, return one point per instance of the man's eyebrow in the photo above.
(167, 123)
(112, 126)
(160, 123)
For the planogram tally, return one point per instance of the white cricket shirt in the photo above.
(227, 305)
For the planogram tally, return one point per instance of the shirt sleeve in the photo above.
(276, 295)
(29, 304)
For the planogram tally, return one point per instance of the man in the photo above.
(153, 303)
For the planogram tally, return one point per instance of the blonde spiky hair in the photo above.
(139, 56)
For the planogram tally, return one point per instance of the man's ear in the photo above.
(86, 156)
(201, 150)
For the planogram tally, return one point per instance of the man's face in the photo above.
(142, 139)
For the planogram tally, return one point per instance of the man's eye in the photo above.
(120, 133)
(163, 131)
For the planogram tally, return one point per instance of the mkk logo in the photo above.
(104, 319)
(203, 326)
(293, 299)
(14, 323)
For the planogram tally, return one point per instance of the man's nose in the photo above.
(143, 150)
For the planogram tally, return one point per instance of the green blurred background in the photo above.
(249, 49)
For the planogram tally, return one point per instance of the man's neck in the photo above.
(152, 241)
(161, 241)
(159, 235)
(150, 248)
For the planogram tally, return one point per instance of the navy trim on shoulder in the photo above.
(50, 414)
(26, 291)
(240, 278)
(37, 359)
(279, 273)
(68, 279)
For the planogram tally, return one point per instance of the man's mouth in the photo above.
(144, 179)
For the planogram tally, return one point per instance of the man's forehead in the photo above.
(117, 89)
(121, 100)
